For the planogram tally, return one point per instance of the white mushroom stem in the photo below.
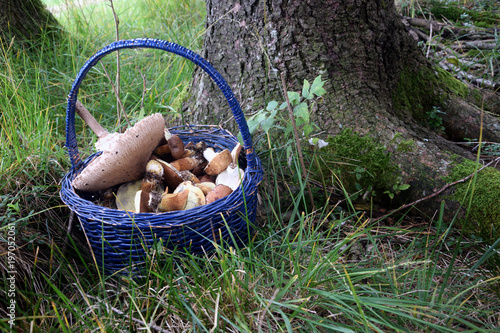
(230, 177)
(235, 153)
(209, 154)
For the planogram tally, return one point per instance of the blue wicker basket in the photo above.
(119, 239)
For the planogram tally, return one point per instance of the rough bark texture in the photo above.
(379, 82)
(24, 19)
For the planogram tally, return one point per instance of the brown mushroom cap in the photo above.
(171, 175)
(186, 163)
(219, 163)
(173, 201)
(124, 157)
(176, 146)
(220, 191)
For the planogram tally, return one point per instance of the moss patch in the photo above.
(361, 164)
(484, 212)
(420, 91)
(415, 92)
(451, 84)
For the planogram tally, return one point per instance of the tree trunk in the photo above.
(379, 82)
(24, 19)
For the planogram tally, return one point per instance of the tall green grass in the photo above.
(320, 270)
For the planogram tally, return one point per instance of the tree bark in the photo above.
(25, 20)
(379, 82)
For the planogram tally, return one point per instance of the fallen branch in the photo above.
(477, 44)
(444, 188)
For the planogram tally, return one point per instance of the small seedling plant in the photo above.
(282, 131)
(272, 120)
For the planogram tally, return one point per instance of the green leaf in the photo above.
(308, 129)
(302, 111)
(358, 176)
(293, 97)
(403, 187)
(317, 87)
(271, 105)
(255, 120)
(268, 123)
(305, 89)
(283, 105)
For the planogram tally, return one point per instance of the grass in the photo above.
(329, 269)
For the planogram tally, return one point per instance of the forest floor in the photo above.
(337, 267)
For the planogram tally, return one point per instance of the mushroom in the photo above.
(220, 191)
(125, 196)
(195, 197)
(171, 175)
(189, 176)
(205, 187)
(146, 202)
(142, 196)
(176, 146)
(173, 201)
(217, 162)
(231, 177)
(162, 150)
(207, 178)
(153, 177)
(235, 153)
(124, 155)
(186, 163)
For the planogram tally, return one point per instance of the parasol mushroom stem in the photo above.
(82, 111)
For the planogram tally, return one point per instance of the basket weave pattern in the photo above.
(119, 238)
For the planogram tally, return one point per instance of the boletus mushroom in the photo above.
(217, 162)
(195, 198)
(220, 191)
(173, 201)
(185, 196)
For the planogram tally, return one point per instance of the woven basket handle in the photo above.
(71, 143)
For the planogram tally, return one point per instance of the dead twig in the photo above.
(118, 100)
(119, 105)
(444, 188)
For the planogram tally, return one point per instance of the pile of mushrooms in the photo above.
(179, 177)
(157, 172)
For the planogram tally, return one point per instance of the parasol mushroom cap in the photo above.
(124, 157)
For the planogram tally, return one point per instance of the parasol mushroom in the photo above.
(124, 155)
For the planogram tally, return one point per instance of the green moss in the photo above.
(460, 14)
(415, 92)
(406, 146)
(360, 163)
(421, 91)
(484, 211)
(451, 84)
